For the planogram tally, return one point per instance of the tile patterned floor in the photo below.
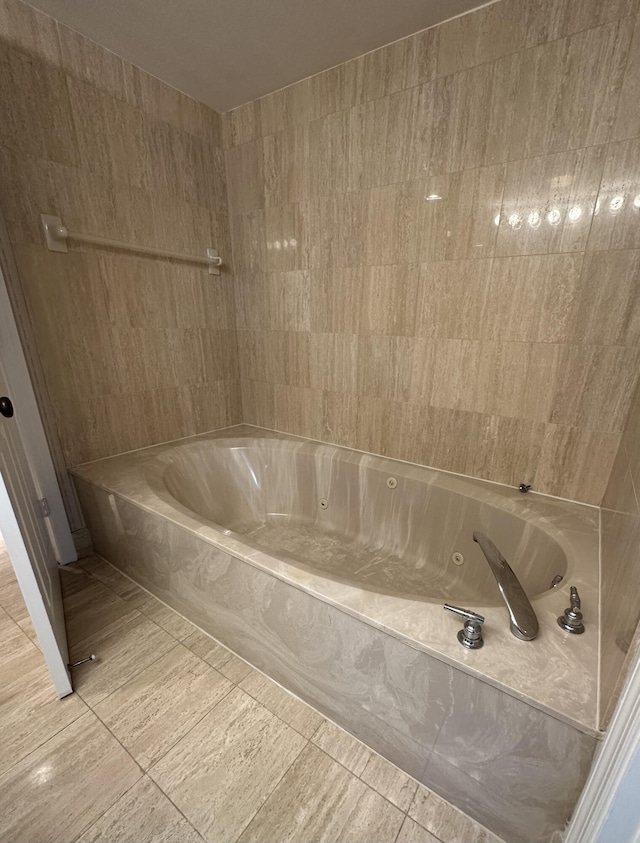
(172, 738)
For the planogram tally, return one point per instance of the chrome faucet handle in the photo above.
(470, 636)
(572, 621)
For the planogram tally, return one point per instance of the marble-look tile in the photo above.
(158, 706)
(319, 800)
(458, 214)
(473, 112)
(166, 618)
(533, 298)
(88, 61)
(620, 618)
(607, 310)
(78, 775)
(142, 815)
(549, 202)
(547, 20)
(540, 748)
(615, 226)
(245, 177)
(105, 573)
(445, 821)
(336, 299)
(274, 301)
(29, 30)
(392, 224)
(30, 711)
(587, 394)
(333, 362)
(568, 91)
(91, 609)
(285, 163)
(451, 299)
(123, 649)
(575, 463)
(328, 158)
(389, 300)
(284, 705)
(385, 366)
(337, 226)
(287, 237)
(224, 770)
(342, 747)
(389, 781)
(627, 124)
(412, 832)
(489, 33)
(218, 656)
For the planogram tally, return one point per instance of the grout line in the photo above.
(308, 740)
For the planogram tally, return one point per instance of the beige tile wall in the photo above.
(472, 332)
(135, 350)
(620, 564)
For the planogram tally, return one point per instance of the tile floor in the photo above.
(171, 737)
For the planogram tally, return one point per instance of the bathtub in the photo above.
(328, 568)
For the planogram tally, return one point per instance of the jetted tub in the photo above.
(327, 569)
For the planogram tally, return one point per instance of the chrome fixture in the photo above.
(571, 621)
(90, 658)
(524, 623)
(470, 636)
(556, 580)
(524, 487)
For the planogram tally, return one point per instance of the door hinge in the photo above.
(43, 507)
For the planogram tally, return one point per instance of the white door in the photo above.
(24, 461)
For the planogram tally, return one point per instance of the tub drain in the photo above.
(323, 503)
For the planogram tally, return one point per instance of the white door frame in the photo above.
(608, 810)
(32, 432)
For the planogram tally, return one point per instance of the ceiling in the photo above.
(228, 52)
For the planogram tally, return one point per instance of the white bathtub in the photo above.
(327, 568)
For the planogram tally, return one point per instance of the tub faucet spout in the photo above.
(524, 623)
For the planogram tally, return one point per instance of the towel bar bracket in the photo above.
(56, 236)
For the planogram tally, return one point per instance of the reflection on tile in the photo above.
(549, 202)
(342, 747)
(284, 705)
(459, 212)
(224, 770)
(319, 800)
(142, 815)
(151, 712)
(30, 710)
(78, 775)
(616, 225)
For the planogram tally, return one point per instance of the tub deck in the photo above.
(556, 673)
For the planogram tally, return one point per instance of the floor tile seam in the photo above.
(46, 740)
(97, 819)
(407, 817)
(188, 732)
(273, 789)
(281, 719)
(360, 779)
(126, 682)
(35, 749)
